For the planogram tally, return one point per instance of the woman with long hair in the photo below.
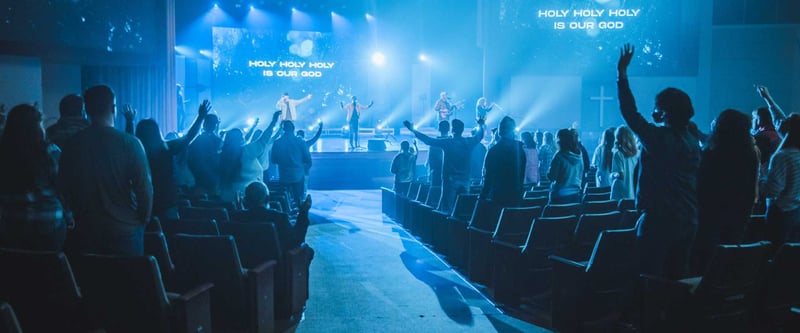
(566, 169)
(242, 163)
(782, 188)
(31, 214)
(601, 159)
(623, 164)
(162, 157)
(532, 159)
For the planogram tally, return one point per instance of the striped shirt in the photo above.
(783, 179)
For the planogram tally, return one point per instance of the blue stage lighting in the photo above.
(378, 59)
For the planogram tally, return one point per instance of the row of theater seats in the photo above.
(574, 267)
(200, 273)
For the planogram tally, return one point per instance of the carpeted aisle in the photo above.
(369, 275)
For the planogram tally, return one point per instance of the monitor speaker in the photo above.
(376, 145)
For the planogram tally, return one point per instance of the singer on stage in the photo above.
(444, 107)
(353, 113)
(289, 106)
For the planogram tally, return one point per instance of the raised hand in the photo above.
(408, 125)
(128, 112)
(763, 91)
(204, 108)
(306, 205)
(625, 56)
(320, 124)
(276, 115)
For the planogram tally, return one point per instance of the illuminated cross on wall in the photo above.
(602, 99)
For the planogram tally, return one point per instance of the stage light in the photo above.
(311, 128)
(517, 129)
(252, 7)
(378, 59)
(251, 121)
(206, 53)
(380, 127)
(416, 127)
(293, 9)
(216, 5)
(319, 120)
(423, 57)
(346, 128)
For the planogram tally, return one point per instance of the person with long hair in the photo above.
(162, 158)
(601, 159)
(532, 159)
(547, 149)
(31, 214)
(240, 163)
(726, 186)
(782, 188)
(566, 169)
(623, 164)
(667, 189)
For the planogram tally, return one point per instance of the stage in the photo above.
(336, 167)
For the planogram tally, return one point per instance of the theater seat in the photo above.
(8, 320)
(155, 244)
(202, 213)
(126, 294)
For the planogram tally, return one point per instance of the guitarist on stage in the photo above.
(444, 107)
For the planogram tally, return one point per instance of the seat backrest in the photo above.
(602, 196)
(195, 227)
(413, 190)
(589, 227)
(282, 198)
(464, 206)
(548, 236)
(629, 219)
(554, 210)
(593, 189)
(422, 194)
(485, 215)
(124, 294)
(626, 204)
(434, 194)
(598, 207)
(257, 242)
(537, 193)
(8, 320)
(514, 224)
(202, 213)
(733, 273)
(229, 206)
(213, 259)
(614, 255)
(41, 287)
(155, 244)
(782, 289)
(534, 201)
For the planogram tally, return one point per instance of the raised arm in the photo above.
(416, 150)
(129, 113)
(251, 131)
(777, 113)
(313, 140)
(267, 135)
(422, 137)
(627, 104)
(303, 100)
(478, 137)
(179, 144)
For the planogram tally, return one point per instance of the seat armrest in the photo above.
(479, 230)
(660, 282)
(261, 296)
(567, 263)
(508, 245)
(192, 310)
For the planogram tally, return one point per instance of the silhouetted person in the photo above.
(403, 166)
(546, 152)
(290, 236)
(782, 188)
(504, 169)
(105, 181)
(309, 143)
(71, 121)
(240, 163)
(531, 158)
(476, 159)
(162, 157)
(670, 159)
(292, 157)
(456, 166)
(31, 214)
(436, 156)
(726, 186)
(602, 158)
(353, 110)
(566, 169)
(623, 164)
(203, 157)
(288, 106)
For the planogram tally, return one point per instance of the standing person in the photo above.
(403, 167)
(482, 108)
(670, 159)
(444, 108)
(31, 214)
(504, 170)
(288, 106)
(203, 157)
(566, 169)
(623, 164)
(546, 153)
(726, 186)
(602, 158)
(181, 99)
(457, 150)
(291, 155)
(531, 159)
(782, 188)
(162, 159)
(71, 121)
(353, 110)
(476, 159)
(309, 143)
(436, 156)
(241, 163)
(105, 182)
